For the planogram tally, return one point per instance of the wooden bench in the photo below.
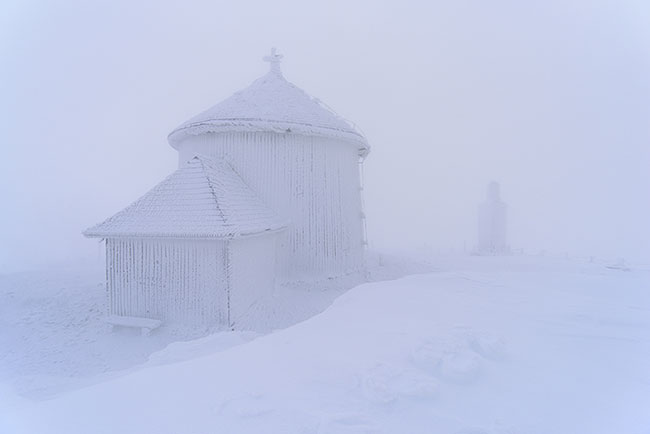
(144, 324)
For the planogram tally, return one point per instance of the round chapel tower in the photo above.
(302, 160)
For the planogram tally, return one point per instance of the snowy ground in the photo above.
(53, 336)
(479, 345)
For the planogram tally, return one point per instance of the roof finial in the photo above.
(274, 59)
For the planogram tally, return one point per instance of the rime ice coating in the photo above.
(203, 199)
(271, 104)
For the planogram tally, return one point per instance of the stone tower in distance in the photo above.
(492, 223)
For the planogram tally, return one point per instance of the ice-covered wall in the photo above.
(312, 181)
(252, 277)
(206, 282)
(169, 279)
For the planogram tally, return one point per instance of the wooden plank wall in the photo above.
(178, 280)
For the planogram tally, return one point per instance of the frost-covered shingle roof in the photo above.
(203, 199)
(271, 103)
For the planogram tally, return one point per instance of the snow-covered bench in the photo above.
(145, 324)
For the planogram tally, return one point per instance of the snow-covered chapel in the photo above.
(268, 190)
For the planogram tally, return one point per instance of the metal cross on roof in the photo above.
(274, 59)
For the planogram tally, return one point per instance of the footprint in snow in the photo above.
(497, 429)
(385, 384)
(462, 367)
(456, 365)
(247, 405)
(473, 431)
(348, 423)
(488, 346)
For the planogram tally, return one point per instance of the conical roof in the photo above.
(203, 199)
(271, 103)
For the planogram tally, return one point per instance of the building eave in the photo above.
(186, 236)
(243, 125)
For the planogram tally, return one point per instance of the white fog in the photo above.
(548, 102)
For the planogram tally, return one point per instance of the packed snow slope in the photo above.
(494, 345)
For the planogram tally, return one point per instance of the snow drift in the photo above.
(499, 345)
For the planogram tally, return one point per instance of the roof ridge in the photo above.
(214, 194)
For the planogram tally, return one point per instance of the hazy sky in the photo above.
(551, 99)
